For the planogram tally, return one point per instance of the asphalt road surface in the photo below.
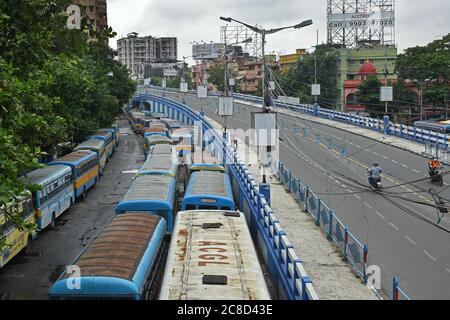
(399, 226)
(29, 276)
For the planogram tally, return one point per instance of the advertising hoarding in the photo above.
(361, 19)
(207, 51)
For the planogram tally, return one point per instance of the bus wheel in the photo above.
(52, 224)
(28, 245)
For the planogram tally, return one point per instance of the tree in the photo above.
(217, 75)
(297, 82)
(55, 86)
(430, 62)
(369, 95)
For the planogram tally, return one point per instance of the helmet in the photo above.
(375, 164)
(435, 158)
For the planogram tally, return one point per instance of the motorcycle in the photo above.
(375, 183)
(436, 177)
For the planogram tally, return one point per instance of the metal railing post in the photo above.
(319, 202)
(330, 227)
(395, 289)
(346, 241)
(365, 259)
(306, 199)
(305, 280)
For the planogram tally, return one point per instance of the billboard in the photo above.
(183, 87)
(361, 19)
(202, 92)
(265, 129)
(170, 73)
(225, 106)
(386, 94)
(207, 51)
(290, 100)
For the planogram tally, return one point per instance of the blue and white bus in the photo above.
(108, 138)
(150, 141)
(160, 164)
(208, 190)
(124, 262)
(85, 170)
(154, 195)
(97, 146)
(56, 194)
(114, 133)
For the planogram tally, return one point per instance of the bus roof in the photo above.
(209, 187)
(162, 149)
(102, 135)
(149, 193)
(198, 234)
(160, 164)
(158, 139)
(75, 158)
(206, 167)
(46, 175)
(91, 144)
(117, 261)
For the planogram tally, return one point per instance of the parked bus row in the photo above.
(61, 182)
(207, 244)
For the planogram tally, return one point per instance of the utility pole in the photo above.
(421, 101)
(264, 82)
(385, 78)
(315, 63)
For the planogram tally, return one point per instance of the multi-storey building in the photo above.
(354, 65)
(288, 61)
(138, 54)
(96, 10)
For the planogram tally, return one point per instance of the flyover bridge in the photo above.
(404, 232)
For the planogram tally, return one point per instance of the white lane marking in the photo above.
(429, 255)
(357, 146)
(411, 240)
(394, 226)
(343, 186)
(380, 215)
(448, 270)
(404, 166)
(375, 153)
(349, 190)
(394, 161)
(368, 205)
(446, 184)
(416, 171)
(356, 196)
(386, 157)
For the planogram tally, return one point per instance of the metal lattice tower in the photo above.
(367, 22)
(235, 34)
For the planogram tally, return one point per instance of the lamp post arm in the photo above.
(248, 26)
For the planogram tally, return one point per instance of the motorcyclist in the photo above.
(374, 174)
(434, 166)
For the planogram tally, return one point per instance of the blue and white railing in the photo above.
(284, 266)
(337, 232)
(438, 140)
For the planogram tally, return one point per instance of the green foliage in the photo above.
(297, 81)
(430, 62)
(55, 86)
(369, 95)
(217, 75)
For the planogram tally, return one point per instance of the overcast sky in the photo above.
(417, 21)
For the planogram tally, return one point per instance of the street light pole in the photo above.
(264, 82)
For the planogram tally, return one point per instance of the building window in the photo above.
(362, 61)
